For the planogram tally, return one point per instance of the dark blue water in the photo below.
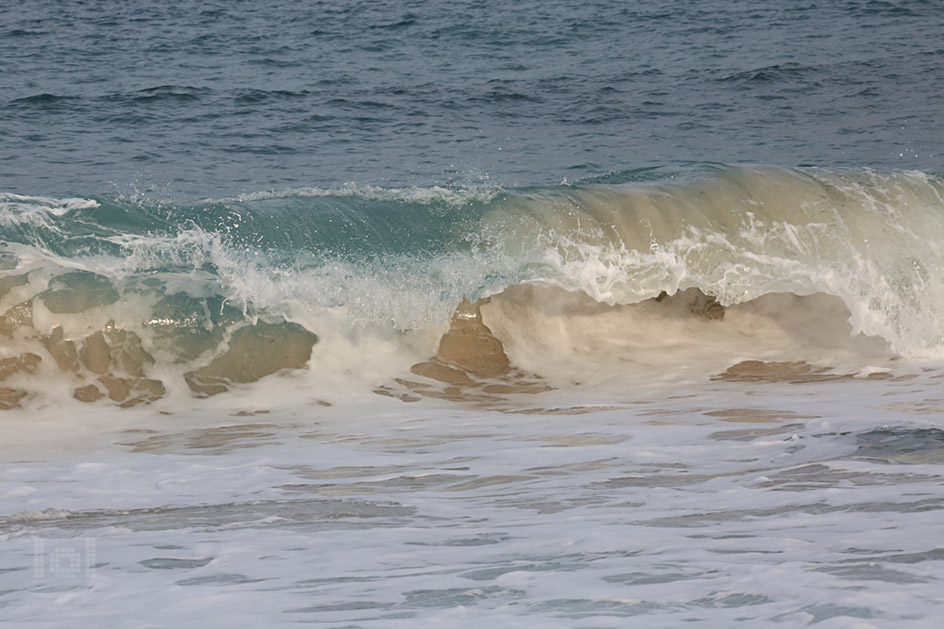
(215, 98)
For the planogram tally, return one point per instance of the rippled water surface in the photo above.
(216, 98)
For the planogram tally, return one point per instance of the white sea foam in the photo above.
(685, 501)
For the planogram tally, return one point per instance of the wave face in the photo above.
(132, 298)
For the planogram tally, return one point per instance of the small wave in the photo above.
(175, 93)
(59, 207)
(455, 197)
(252, 97)
(22, 517)
(44, 100)
(770, 74)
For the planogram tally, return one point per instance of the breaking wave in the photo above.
(132, 300)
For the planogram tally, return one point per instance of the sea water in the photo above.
(436, 314)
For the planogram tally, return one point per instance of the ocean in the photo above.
(409, 314)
